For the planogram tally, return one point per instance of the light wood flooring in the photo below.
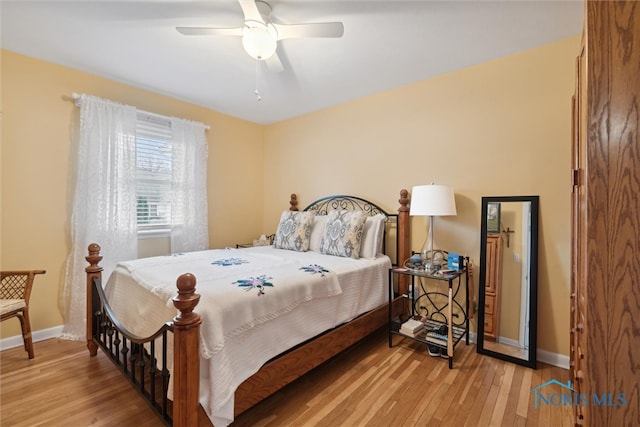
(520, 353)
(368, 385)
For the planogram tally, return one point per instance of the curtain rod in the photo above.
(76, 97)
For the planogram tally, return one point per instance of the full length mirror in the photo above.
(508, 279)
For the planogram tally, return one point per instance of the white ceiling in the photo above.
(386, 44)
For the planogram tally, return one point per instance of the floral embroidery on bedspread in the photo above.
(229, 261)
(315, 268)
(261, 282)
(258, 283)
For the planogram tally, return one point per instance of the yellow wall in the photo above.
(499, 128)
(496, 129)
(36, 121)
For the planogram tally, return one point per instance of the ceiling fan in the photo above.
(260, 35)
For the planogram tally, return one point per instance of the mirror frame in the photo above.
(531, 360)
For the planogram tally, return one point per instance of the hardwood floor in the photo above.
(63, 386)
(368, 385)
(511, 350)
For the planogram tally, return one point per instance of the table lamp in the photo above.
(432, 200)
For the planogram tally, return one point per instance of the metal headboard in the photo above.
(352, 203)
(341, 202)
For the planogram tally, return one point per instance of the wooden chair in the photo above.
(15, 290)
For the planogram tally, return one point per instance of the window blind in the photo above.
(153, 164)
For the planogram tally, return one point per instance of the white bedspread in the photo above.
(255, 303)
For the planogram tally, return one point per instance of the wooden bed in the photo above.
(138, 357)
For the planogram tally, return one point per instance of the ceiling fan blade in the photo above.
(294, 31)
(274, 64)
(250, 10)
(207, 31)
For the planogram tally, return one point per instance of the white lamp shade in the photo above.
(432, 200)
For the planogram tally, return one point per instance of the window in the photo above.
(166, 156)
(153, 180)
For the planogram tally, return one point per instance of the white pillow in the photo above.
(373, 236)
(342, 234)
(294, 231)
(316, 232)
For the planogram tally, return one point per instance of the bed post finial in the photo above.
(186, 300)
(94, 271)
(293, 202)
(93, 258)
(186, 353)
(404, 238)
(404, 201)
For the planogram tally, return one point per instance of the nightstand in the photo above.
(268, 241)
(439, 306)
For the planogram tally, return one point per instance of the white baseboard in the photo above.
(508, 341)
(555, 359)
(41, 335)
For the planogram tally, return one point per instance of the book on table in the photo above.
(412, 327)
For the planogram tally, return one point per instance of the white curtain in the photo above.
(104, 201)
(189, 222)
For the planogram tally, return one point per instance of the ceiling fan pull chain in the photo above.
(257, 92)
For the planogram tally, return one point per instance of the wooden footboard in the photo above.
(185, 410)
(137, 357)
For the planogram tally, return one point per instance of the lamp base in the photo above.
(433, 260)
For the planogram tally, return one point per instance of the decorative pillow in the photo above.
(319, 222)
(342, 234)
(294, 231)
(372, 236)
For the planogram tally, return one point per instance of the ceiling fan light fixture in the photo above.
(259, 40)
